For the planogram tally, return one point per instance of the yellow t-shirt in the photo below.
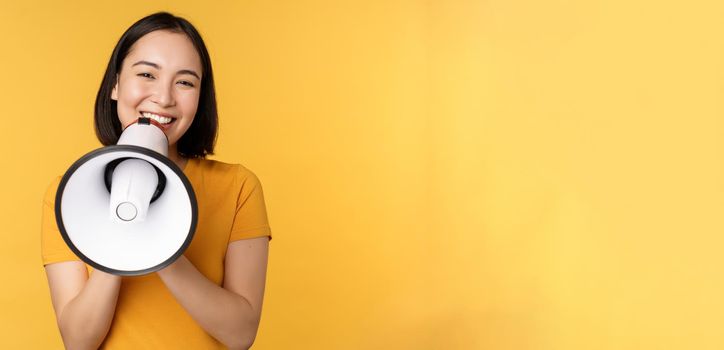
(231, 207)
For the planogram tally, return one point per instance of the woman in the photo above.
(211, 297)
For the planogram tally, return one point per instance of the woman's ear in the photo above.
(114, 93)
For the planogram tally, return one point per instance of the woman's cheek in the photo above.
(134, 98)
(136, 93)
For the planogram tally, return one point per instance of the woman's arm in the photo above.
(84, 307)
(231, 313)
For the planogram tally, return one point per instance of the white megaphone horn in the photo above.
(127, 209)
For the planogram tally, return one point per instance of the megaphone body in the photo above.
(127, 209)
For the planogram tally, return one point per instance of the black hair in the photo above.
(199, 139)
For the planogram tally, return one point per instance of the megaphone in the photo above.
(127, 209)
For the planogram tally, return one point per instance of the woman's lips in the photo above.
(168, 125)
(164, 127)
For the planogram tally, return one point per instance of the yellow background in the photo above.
(501, 174)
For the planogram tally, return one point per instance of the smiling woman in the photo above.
(213, 294)
(161, 68)
(158, 78)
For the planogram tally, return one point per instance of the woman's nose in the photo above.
(163, 95)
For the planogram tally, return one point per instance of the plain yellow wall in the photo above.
(500, 174)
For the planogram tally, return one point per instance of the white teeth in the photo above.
(158, 118)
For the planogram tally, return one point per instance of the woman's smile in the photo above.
(164, 119)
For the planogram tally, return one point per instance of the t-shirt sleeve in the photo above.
(250, 220)
(52, 246)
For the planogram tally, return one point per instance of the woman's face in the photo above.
(160, 78)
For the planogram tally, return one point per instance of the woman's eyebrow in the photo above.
(154, 65)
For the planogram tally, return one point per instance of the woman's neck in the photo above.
(176, 158)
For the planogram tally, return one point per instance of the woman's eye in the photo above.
(149, 75)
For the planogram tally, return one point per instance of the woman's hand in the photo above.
(231, 313)
(84, 307)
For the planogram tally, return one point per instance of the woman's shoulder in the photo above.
(51, 189)
(215, 167)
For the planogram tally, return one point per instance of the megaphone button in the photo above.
(126, 211)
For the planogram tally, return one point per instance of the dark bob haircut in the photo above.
(199, 139)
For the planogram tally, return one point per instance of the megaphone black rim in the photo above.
(128, 148)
